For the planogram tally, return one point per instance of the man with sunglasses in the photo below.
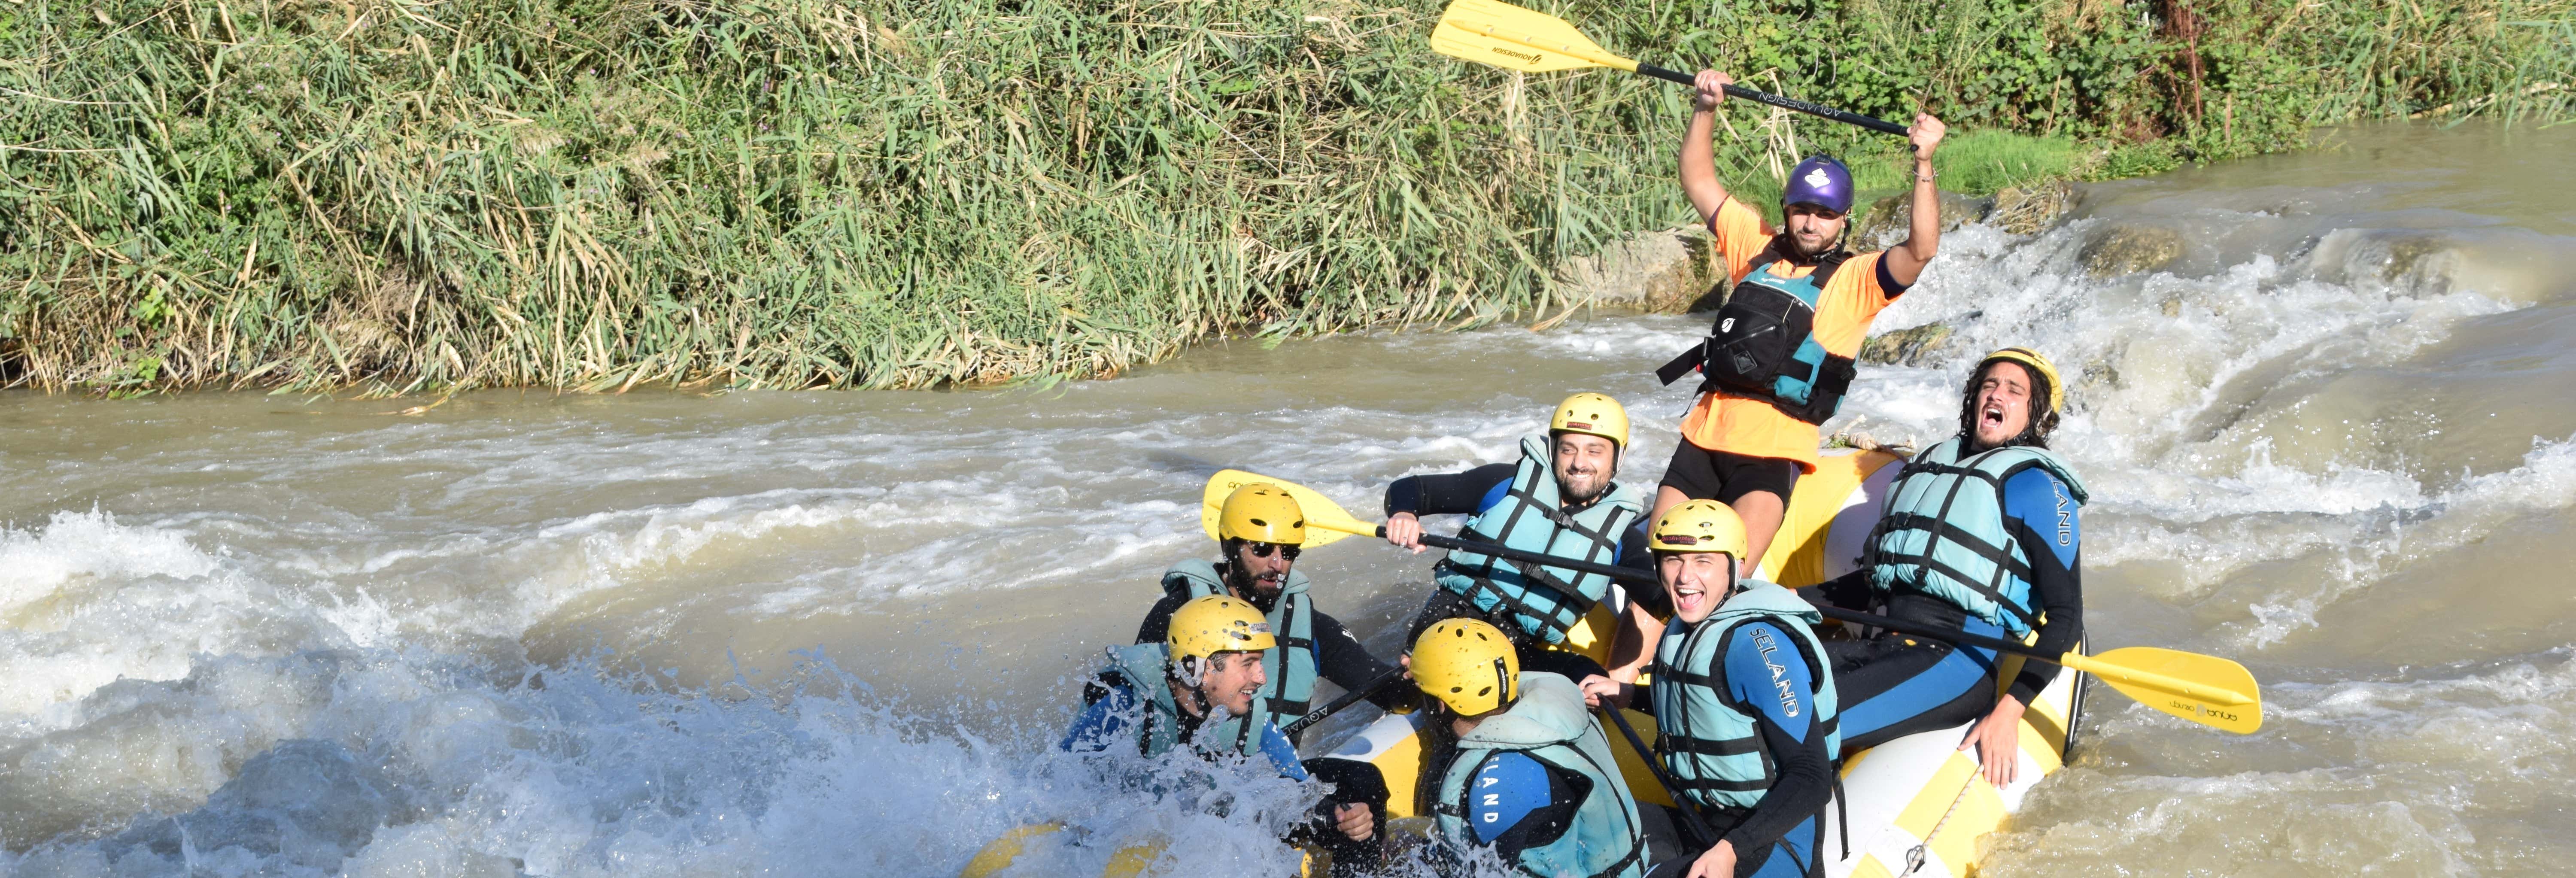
(1259, 531)
(1779, 356)
(1561, 498)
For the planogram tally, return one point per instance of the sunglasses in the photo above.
(1264, 550)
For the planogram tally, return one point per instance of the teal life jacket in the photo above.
(1142, 670)
(1549, 724)
(1291, 667)
(1942, 532)
(1763, 343)
(1710, 743)
(1545, 601)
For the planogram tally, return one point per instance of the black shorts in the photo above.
(1701, 474)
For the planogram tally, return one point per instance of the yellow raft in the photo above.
(1917, 804)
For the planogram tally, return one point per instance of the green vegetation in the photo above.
(408, 194)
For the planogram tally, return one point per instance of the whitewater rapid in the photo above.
(836, 633)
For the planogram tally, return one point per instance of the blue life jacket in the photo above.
(1709, 743)
(1763, 343)
(1549, 724)
(1942, 533)
(1545, 601)
(1291, 667)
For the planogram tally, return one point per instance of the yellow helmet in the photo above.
(1263, 513)
(1210, 624)
(1700, 526)
(2047, 371)
(1468, 665)
(1594, 414)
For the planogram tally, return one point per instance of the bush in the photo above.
(402, 194)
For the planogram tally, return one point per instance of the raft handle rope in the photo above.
(1914, 858)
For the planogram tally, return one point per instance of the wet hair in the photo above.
(2042, 420)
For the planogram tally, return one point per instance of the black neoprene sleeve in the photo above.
(1446, 493)
(1339, 657)
(1565, 795)
(2059, 590)
(1158, 619)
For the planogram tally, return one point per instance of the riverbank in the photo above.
(395, 196)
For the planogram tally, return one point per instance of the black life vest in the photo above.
(1763, 343)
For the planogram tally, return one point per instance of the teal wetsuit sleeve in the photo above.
(1515, 803)
(1767, 675)
(1764, 672)
(2042, 516)
(1504, 791)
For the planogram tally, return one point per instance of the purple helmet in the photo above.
(1820, 180)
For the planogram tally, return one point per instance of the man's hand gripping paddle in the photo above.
(1513, 38)
(2205, 689)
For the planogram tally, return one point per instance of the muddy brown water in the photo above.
(2329, 433)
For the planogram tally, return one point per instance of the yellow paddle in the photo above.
(1222, 485)
(2205, 689)
(1507, 36)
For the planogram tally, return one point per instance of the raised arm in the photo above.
(1699, 158)
(1923, 228)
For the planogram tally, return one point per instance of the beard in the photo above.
(1245, 585)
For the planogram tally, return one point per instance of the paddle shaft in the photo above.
(1875, 124)
(1347, 699)
(1689, 811)
(1632, 574)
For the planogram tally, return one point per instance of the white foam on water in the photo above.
(372, 762)
(93, 601)
(2378, 776)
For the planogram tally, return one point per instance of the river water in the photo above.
(666, 633)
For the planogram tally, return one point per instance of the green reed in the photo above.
(411, 194)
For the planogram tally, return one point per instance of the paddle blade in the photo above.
(1510, 37)
(2205, 689)
(1325, 520)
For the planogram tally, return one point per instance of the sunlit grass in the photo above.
(592, 194)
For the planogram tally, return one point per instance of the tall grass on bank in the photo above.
(399, 194)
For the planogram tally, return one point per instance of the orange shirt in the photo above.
(1744, 425)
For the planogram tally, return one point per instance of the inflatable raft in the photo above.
(1917, 805)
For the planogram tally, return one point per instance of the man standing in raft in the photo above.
(1559, 498)
(1528, 774)
(1259, 532)
(1980, 534)
(1744, 700)
(1165, 692)
(1780, 353)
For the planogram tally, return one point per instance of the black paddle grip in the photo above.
(1664, 73)
(1675, 76)
(1335, 706)
(1815, 110)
